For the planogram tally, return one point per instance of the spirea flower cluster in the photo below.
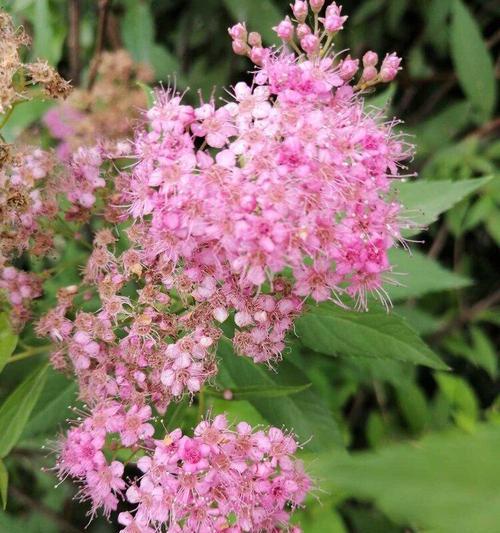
(221, 479)
(239, 213)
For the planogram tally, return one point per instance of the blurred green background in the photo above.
(447, 97)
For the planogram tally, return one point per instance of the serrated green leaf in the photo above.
(419, 275)
(424, 201)
(4, 483)
(330, 330)
(8, 340)
(447, 482)
(304, 413)
(473, 62)
(16, 409)
(259, 15)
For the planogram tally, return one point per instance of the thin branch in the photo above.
(74, 41)
(467, 315)
(439, 242)
(103, 7)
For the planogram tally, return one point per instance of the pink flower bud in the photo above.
(255, 39)
(310, 44)
(300, 10)
(238, 32)
(369, 73)
(370, 59)
(316, 5)
(227, 394)
(220, 314)
(257, 54)
(334, 23)
(348, 68)
(240, 48)
(285, 30)
(303, 30)
(390, 67)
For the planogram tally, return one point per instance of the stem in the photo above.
(103, 7)
(7, 115)
(328, 42)
(201, 404)
(74, 40)
(29, 352)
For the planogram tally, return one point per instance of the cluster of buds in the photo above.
(311, 36)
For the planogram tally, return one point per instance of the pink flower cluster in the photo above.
(238, 212)
(218, 480)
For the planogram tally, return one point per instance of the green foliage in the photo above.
(426, 200)
(16, 409)
(420, 275)
(446, 482)
(304, 411)
(8, 340)
(473, 62)
(331, 330)
(4, 483)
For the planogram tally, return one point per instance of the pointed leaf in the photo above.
(420, 275)
(472, 59)
(330, 330)
(16, 410)
(426, 200)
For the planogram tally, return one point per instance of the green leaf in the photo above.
(165, 64)
(420, 275)
(4, 483)
(426, 200)
(304, 412)
(256, 391)
(137, 31)
(465, 409)
(53, 406)
(446, 483)
(421, 321)
(16, 410)
(149, 92)
(259, 15)
(330, 330)
(473, 62)
(482, 352)
(383, 99)
(24, 114)
(8, 340)
(439, 130)
(413, 406)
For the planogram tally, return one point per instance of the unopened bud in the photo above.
(370, 59)
(316, 5)
(300, 10)
(255, 39)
